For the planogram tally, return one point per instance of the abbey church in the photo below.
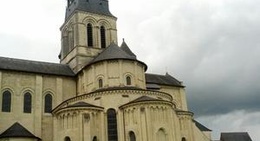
(99, 91)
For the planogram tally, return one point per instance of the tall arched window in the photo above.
(183, 139)
(103, 37)
(48, 103)
(67, 138)
(128, 80)
(27, 103)
(94, 138)
(112, 125)
(6, 101)
(90, 35)
(161, 135)
(132, 136)
(100, 82)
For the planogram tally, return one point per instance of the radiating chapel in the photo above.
(98, 92)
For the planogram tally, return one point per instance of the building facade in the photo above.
(98, 92)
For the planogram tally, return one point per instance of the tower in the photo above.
(89, 27)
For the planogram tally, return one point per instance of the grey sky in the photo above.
(213, 46)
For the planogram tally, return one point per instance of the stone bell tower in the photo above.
(89, 27)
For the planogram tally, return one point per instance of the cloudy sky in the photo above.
(213, 46)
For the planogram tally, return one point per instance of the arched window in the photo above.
(27, 103)
(112, 125)
(132, 136)
(6, 101)
(94, 138)
(103, 37)
(161, 136)
(67, 138)
(100, 82)
(183, 139)
(128, 80)
(90, 35)
(48, 103)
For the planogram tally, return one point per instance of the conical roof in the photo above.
(17, 130)
(143, 99)
(125, 48)
(114, 52)
(83, 104)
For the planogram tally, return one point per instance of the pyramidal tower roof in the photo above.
(93, 6)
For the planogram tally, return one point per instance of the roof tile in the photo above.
(17, 130)
(235, 136)
(162, 80)
(35, 67)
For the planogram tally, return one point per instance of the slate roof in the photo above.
(145, 98)
(93, 6)
(17, 130)
(235, 136)
(125, 48)
(162, 80)
(142, 99)
(112, 52)
(83, 104)
(35, 67)
(153, 86)
(201, 127)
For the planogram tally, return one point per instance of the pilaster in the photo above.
(82, 34)
(149, 126)
(143, 124)
(106, 74)
(59, 92)
(120, 73)
(120, 126)
(102, 127)
(38, 106)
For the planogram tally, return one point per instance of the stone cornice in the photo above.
(74, 109)
(118, 91)
(184, 113)
(141, 103)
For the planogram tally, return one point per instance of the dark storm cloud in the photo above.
(213, 46)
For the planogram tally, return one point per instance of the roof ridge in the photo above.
(31, 66)
(28, 60)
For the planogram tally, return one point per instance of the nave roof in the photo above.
(12, 64)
